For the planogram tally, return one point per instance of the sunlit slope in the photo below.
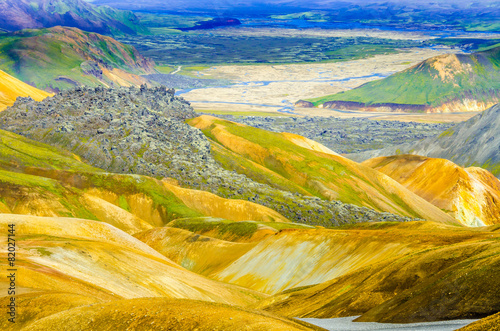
(167, 314)
(445, 83)
(63, 57)
(472, 195)
(307, 143)
(11, 88)
(201, 254)
(96, 259)
(33, 306)
(293, 257)
(325, 175)
(454, 277)
(212, 205)
(37, 179)
(209, 245)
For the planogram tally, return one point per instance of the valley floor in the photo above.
(274, 88)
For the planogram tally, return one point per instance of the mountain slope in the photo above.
(35, 14)
(446, 83)
(474, 142)
(143, 131)
(68, 57)
(11, 88)
(471, 195)
(92, 258)
(455, 279)
(295, 258)
(322, 174)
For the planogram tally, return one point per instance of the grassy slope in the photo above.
(431, 83)
(60, 52)
(324, 175)
(38, 179)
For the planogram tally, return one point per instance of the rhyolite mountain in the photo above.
(447, 274)
(445, 83)
(36, 14)
(67, 57)
(11, 88)
(143, 131)
(106, 234)
(475, 142)
(292, 162)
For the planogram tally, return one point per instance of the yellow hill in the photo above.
(471, 195)
(235, 210)
(298, 257)
(11, 88)
(166, 314)
(454, 277)
(95, 259)
(322, 174)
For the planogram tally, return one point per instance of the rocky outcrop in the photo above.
(345, 135)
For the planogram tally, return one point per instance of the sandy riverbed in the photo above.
(273, 87)
(347, 324)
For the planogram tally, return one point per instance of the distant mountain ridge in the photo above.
(35, 14)
(445, 83)
(66, 57)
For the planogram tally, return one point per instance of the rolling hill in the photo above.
(446, 83)
(12, 88)
(452, 280)
(143, 132)
(36, 14)
(283, 159)
(474, 142)
(67, 57)
(470, 195)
